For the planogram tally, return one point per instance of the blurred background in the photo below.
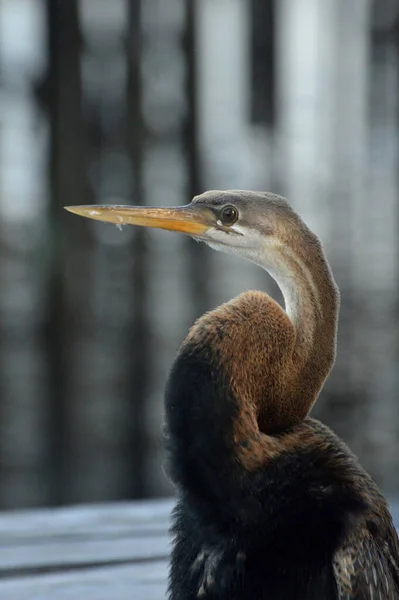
(151, 102)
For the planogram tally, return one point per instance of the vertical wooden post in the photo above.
(66, 175)
(263, 62)
(200, 265)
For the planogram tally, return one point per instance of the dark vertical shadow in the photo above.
(262, 88)
(395, 33)
(62, 96)
(3, 349)
(395, 483)
(200, 258)
(139, 345)
(262, 80)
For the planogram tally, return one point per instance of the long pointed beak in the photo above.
(193, 220)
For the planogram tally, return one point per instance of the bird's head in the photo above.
(253, 225)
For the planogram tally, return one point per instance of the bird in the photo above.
(270, 503)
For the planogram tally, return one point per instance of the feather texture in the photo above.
(366, 566)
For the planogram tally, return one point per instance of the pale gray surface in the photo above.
(133, 582)
(103, 552)
(85, 519)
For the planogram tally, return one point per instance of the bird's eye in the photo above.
(228, 215)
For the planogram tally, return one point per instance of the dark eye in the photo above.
(228, 215)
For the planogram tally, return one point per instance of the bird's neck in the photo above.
(311, 300)
(285, 356)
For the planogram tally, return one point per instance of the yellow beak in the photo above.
(191, 219)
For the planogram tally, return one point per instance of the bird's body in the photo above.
(271, 504)
(285, 516)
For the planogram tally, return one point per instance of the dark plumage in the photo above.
(271, 504)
